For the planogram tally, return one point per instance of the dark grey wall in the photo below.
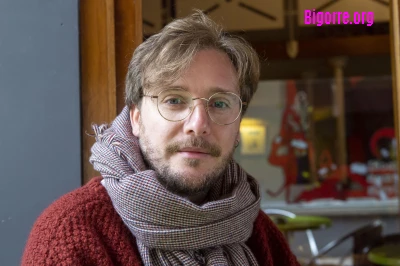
(39, 114)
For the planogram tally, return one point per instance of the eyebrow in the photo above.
(212, 90)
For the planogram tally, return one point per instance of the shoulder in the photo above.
(68, 228)
(268, 243)
(266, 229)
(264, 223)
(76, 204)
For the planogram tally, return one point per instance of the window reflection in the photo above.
(291, 141)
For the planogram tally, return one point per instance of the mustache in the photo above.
(213, 150)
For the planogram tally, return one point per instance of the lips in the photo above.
(194, 153)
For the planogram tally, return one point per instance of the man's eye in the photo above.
(174, 100)
(219, 104)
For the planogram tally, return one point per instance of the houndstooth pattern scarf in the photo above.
(171, 230)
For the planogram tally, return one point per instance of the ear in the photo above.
(134, 115)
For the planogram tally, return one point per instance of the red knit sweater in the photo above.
(83, 228)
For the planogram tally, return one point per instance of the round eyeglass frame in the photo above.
(192, 107)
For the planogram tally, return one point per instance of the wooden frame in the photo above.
(109, 32)
(395, 57)
(128, 35)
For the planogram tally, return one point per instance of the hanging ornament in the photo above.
(292, 46)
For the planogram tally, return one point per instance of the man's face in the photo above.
(190, 155)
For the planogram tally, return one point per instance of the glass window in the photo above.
(323, 147)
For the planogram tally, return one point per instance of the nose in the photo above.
(198, 123)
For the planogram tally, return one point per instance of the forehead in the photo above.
(210, 71)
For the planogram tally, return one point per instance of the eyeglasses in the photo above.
(177, 104)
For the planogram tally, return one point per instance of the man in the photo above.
(170, 192)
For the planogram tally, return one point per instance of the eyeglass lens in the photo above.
(177, 104)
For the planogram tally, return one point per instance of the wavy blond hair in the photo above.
(162, 58)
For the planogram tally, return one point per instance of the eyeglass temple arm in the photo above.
(151, 96)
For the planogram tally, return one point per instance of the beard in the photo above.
(179, 182)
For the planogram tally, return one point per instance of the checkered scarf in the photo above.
(171, 230)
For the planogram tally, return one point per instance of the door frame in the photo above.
(110, 30)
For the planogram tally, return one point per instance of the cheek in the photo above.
(226, 138)
(159, 131)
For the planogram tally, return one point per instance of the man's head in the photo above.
(189, 141)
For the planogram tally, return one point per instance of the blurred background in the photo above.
(320, 134)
